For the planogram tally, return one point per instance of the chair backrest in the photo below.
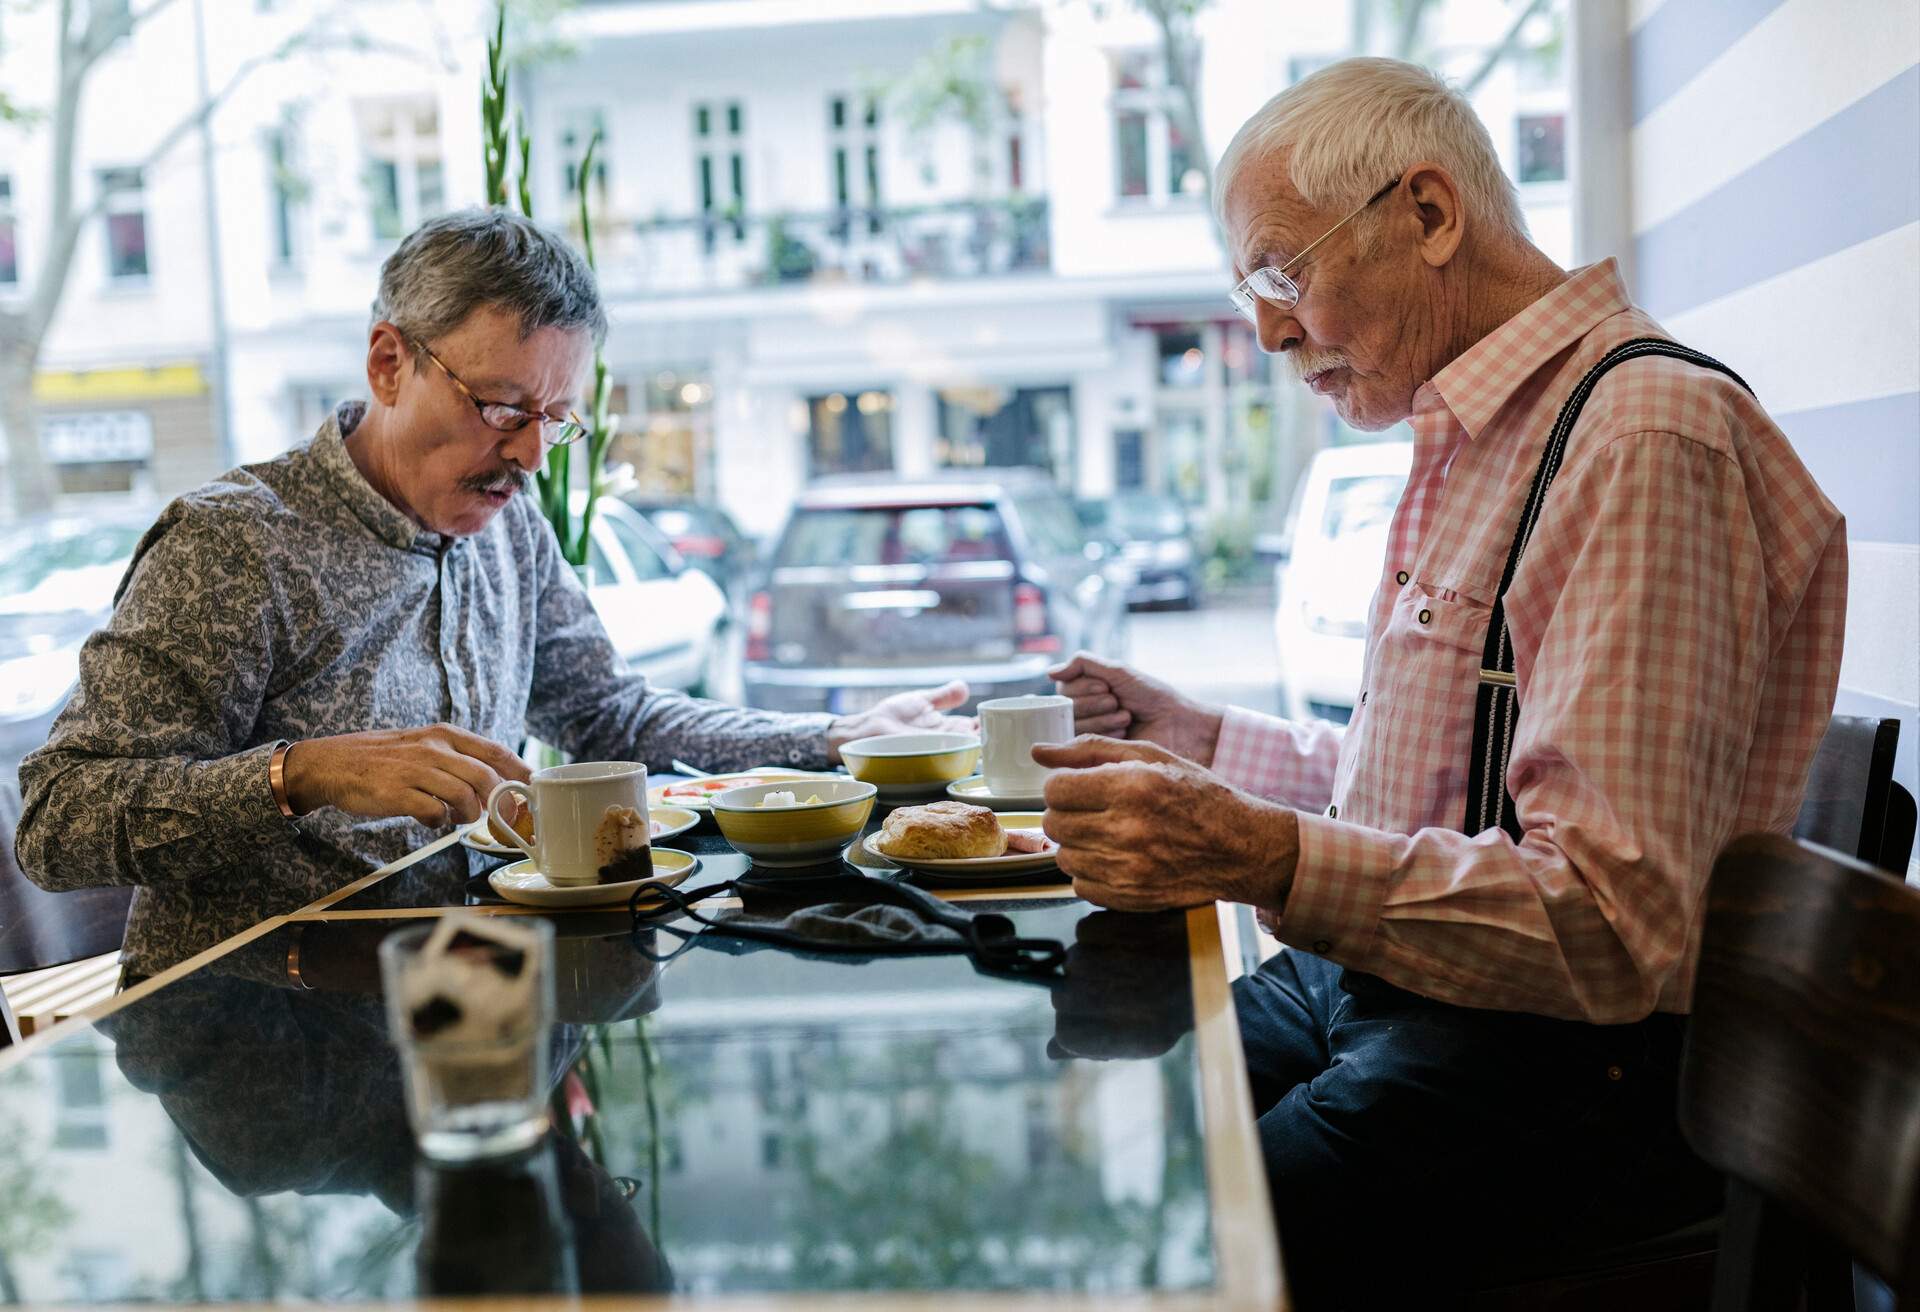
(1849, 787)
(1802, 1071)
(40, 929)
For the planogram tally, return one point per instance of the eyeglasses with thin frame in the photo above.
(504, 418)
(1273, 285)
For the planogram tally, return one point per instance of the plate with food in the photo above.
(697, 794)
(956, 838)
(667, 822)
(523, 882)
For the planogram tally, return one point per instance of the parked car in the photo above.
(1337, 539)
(1155, 541)
(57, 579)
(668, 620)
(704, 535)
(878, 587)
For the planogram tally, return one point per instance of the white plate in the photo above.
(658, 796)
(985, 867)
(974, 790)
(522, 882)
(668, 822)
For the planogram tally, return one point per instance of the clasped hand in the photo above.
(1141, 829)
(437, 774)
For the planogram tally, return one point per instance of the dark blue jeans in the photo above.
(1414, 1148)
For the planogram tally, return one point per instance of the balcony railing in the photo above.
(718, 252)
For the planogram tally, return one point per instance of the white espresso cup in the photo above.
(1010, 728)
(584, 817)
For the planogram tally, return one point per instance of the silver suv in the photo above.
(876, 587)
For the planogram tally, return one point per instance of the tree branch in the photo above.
(1503, 49)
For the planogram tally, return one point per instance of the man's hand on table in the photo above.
(1141, 829)
(1118, 702)
(438, 774)
(904, 712)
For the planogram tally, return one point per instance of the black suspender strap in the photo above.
(1497, 703)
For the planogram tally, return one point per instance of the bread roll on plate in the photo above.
(942, 831)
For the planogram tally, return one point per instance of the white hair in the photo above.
(1352, 127)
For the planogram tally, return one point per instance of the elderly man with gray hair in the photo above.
(1605, 639)
(320, 663)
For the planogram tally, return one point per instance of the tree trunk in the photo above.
(31, 486)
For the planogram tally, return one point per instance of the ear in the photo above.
(1436, 200)
(389, 358)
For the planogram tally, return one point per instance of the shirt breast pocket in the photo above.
(1420, 697)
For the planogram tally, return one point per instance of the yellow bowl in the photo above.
(804, 835)
(912, 762)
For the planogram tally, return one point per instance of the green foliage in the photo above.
(504, 147)
(953, 81)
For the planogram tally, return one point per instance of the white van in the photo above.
(1337, 532)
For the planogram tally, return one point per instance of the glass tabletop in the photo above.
(739, 1119)
(457, 876)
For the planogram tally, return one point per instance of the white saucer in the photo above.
(668, 822)
(981, 867)
(522, 882)
(974, 789)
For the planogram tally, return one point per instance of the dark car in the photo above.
(878, 587)
(1155, 540)
(705, 534)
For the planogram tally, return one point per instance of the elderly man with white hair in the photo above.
(1605, 639)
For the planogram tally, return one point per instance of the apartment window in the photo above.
(1543, 147)
(405, 178)
(853, 134)
(126, 222)
(284, 191)
(720, 166)
(9, 236)
(577, 131)
(1022, 426)
(1154, 159)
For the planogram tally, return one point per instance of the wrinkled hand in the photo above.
(1119, 702)
(1141, 829)
(437, 775)
(904, 712)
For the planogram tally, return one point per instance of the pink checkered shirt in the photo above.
(1676, 624)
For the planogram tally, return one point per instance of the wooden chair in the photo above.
(70, 941)
(1853, 804)
(1801, 1079)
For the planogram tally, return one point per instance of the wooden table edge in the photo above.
(1244, 1240)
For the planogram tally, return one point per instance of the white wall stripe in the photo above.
(1639, 11)
(1837, 330)
(1793, 70)
(1883, 623)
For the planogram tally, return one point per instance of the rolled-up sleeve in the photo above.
(149, 776)
(585, 701)
(1638, 702)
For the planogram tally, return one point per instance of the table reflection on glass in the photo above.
(739, 1122)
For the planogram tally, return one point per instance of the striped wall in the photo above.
(1775, 192)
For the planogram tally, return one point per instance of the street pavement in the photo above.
(1222, 652)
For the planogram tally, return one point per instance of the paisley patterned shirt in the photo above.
(290, 600)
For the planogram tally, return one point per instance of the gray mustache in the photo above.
(512, 481)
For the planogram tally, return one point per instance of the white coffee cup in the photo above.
(1010, 727)
(574, 834)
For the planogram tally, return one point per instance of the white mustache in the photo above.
(1305, 367)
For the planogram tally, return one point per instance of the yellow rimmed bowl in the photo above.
(805, 835)
(909, 765)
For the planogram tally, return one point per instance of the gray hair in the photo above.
(1352, 127)
(452, 265)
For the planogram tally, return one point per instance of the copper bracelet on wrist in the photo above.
(277, 777)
